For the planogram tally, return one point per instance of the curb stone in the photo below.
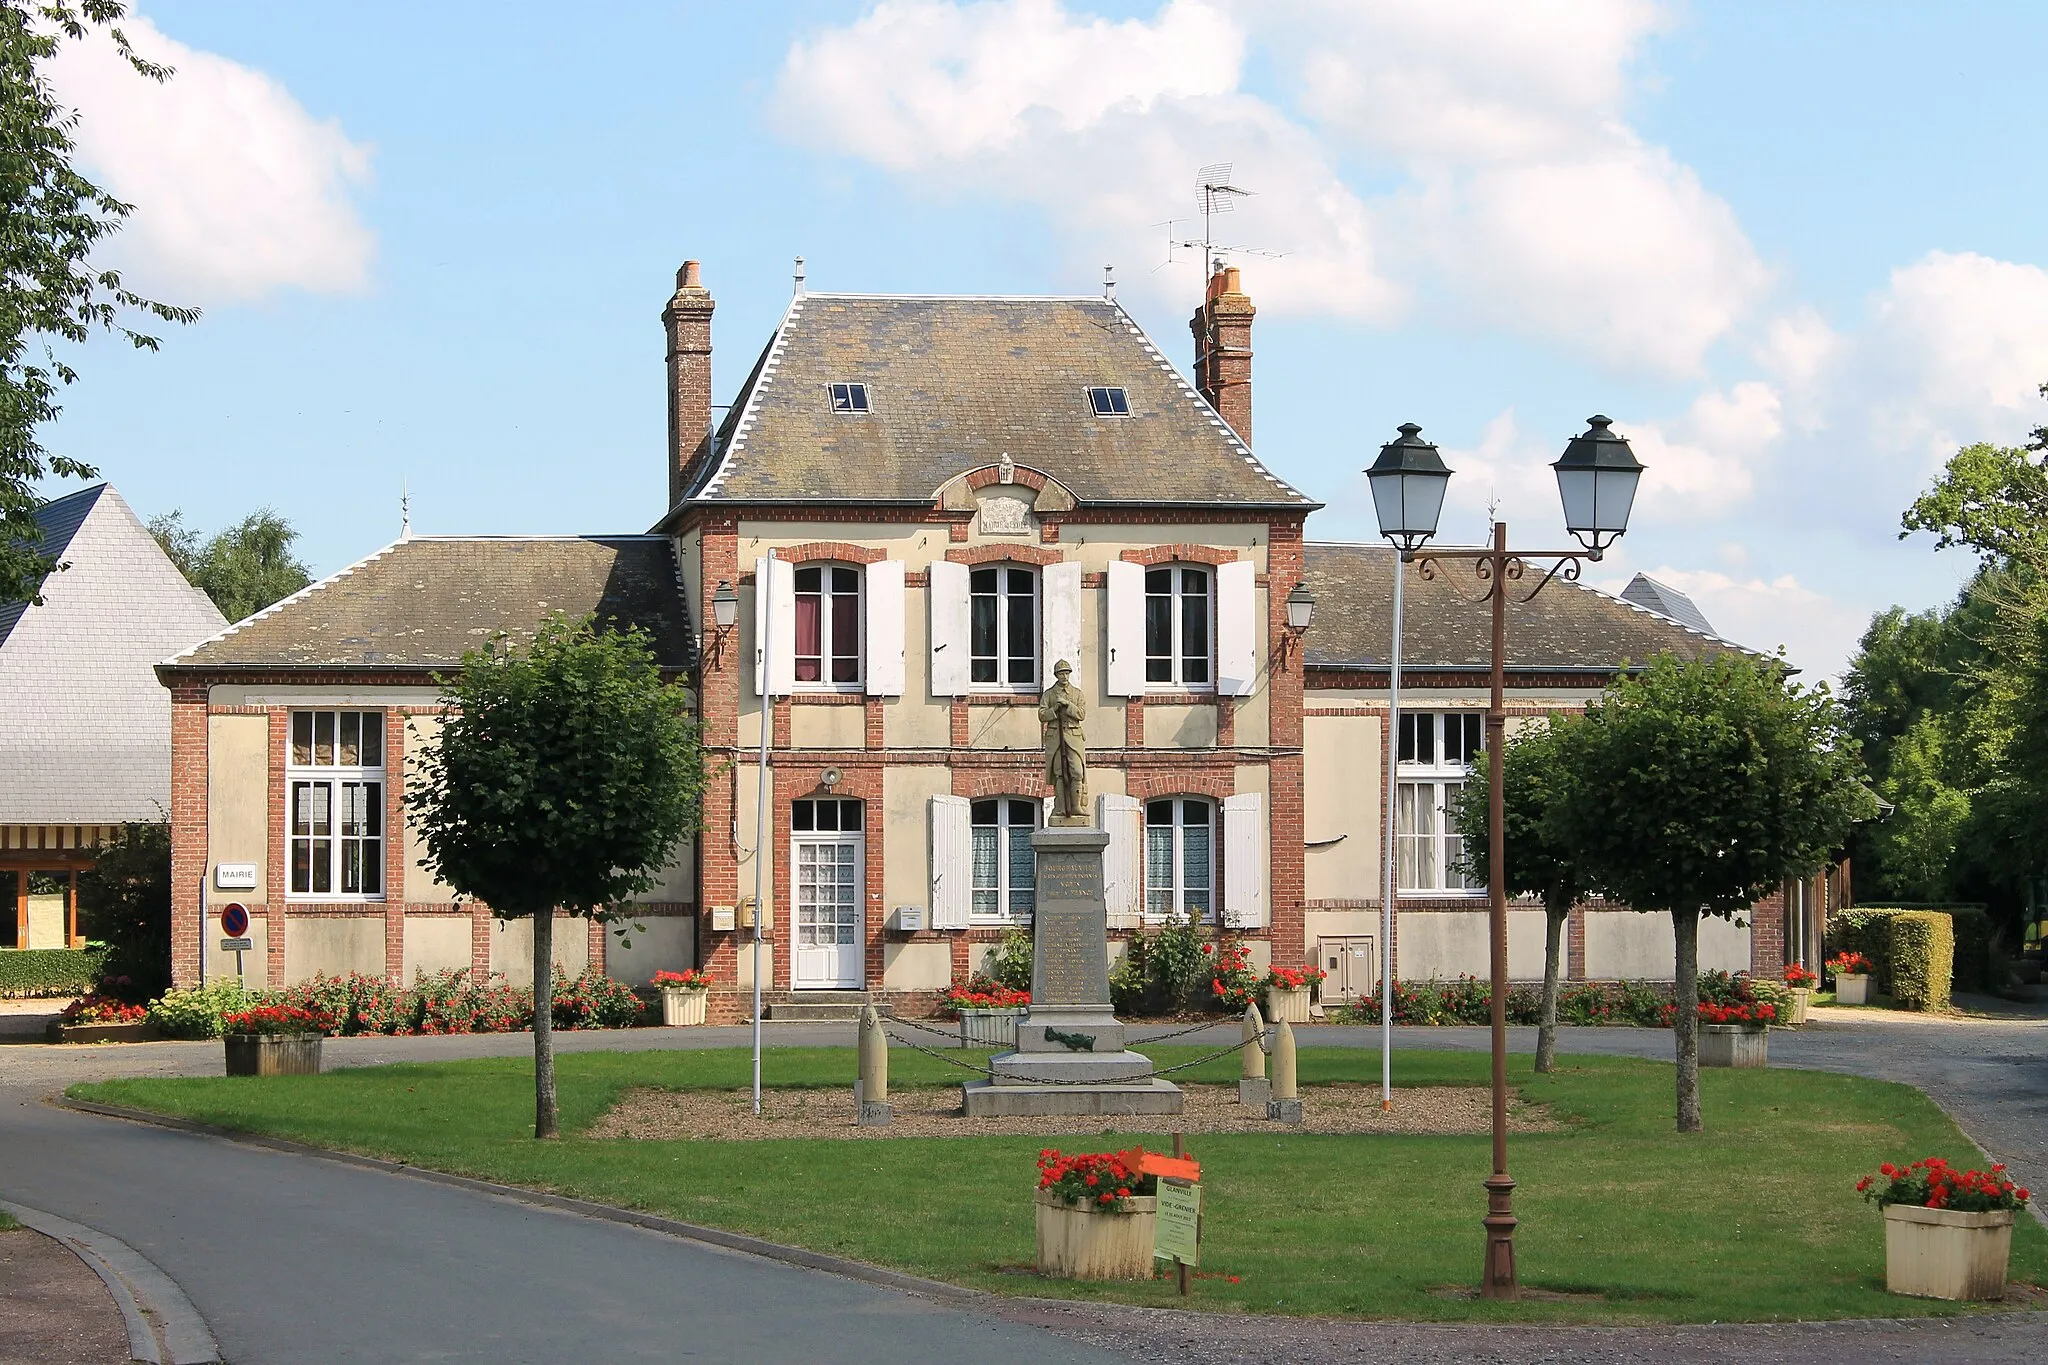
(144, 1294)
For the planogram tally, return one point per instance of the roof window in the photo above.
(849, 398)
(1109, 402)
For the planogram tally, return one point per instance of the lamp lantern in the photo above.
(1596, 481)
(1301, 607)
(725, 605)
(1408, 481)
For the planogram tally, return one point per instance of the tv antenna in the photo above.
(1214, 194)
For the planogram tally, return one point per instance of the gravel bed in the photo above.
(645, 1112)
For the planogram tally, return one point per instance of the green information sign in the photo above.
(1178, 1231)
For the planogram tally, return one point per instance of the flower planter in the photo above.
(273, 1054)
(96, 1033)
(1795, 1013)
(1285, 1004)
(1852, 989)
(681, 1009)
(1080, 1243)
(989, 1028)
(1944, 1254)
(1734, 1045)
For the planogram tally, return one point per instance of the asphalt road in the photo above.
(292, 1258)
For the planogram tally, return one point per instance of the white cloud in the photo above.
(1705, 464)
(238, 190)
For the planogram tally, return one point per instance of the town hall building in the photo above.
(915, 508)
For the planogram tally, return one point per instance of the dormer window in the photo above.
(849, 398)
(1109, 402)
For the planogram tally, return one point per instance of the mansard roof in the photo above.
(1567, 628)
(955, 383)
(421, 603)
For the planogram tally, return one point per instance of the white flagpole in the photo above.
(762, 843)
(1389, 883)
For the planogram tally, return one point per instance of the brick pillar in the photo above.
(479, 940)
(687, 321)
(1287, 859)
(1767, 935)
(1575, 944)
(189, 828)
(718, 708)
(278, 887)
(594, 944)
(1222, 327)
(394, 845)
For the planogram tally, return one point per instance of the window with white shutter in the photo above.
(1123, 884)
(952, 861)
(1002, 642)
(1126, 671)
(1244, 861)
(1059, 586)
(883, 639)
(1005, 864)
(1237, 628)
(774, 659)
(947, 589)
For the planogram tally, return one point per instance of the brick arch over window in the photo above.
(1003, 554)
(1214, 783)
(813, 550)
(1184, 554)
(957, 493)
(1020, 780)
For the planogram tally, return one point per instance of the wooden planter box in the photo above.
(989, 1028)
(1943, 1254)
(681, 1009)
(1795, 1013)
(1080, 1243)
(1853, 989)
(1734, 1045)
(273, 1054)
(1289, 1005)
(96, 1033)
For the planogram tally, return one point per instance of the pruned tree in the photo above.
(564, 776)
(1699, 788)
(1537, 860)
(244, 568)
(50, 219)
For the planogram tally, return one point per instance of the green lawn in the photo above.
(1755, 1219)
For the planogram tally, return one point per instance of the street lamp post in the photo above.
(1596, 481)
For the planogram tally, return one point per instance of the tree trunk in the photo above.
(544, 1024)
(1685, 1021)
(1546, 1028)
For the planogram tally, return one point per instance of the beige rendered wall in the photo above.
(677, 884)
(421, 886)
(435, 943)
(1452, 943)
(237, 800)
(906, 833)
(917, 966)
(665, 943)
(512, 947)
(916, 720)
(333, 946)
(828, 727)
(1343, 770)
(1630, 945)
(216, 965)
(1180, 727)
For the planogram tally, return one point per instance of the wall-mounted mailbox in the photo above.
(907, 919)
(723, 919)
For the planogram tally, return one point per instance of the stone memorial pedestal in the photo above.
(1070, 1056)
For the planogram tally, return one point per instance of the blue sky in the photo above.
(1795, 251)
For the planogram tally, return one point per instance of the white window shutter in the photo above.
(1237, 628)
(1059, 637)
(882, 640)
(1244, 861)
(774, 580)
(1123, 887)
(1126, 629)
(951, 666)
(952, 862)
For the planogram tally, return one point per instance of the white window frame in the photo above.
(859, 399)
(1175, 893)
(338, 780)
(1177, 597)
(1006, 833)
(1004, 604)
(1428, 776)
(827, 646)
(1114, 389)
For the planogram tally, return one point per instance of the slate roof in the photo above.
(423, 602)
(1569, 627)
(58, 520)
(954, 384)
(1665, 600)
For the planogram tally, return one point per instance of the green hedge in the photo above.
(47, 971)
(1973, 949)
(1923, 953)
(1867, 930)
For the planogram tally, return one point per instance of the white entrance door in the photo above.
(828, 853)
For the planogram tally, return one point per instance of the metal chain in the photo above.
(1100, 1080)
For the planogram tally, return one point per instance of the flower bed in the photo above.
(683, 1003)
(981, 993)
(1095, 1215)
(1947, 1233)
(1101, 1178)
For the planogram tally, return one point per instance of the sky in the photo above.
(1793, 250)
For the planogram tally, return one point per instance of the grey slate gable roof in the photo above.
(1665, 600)
(1569, 627)
(956, 383)
(58, 520)
(422, 603)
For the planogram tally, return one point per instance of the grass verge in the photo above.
(1756, 1219)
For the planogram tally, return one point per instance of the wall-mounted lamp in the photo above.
(725, 613)
(1301, 609)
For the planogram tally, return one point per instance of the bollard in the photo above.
(1285, 1106)
(1253, 1089)
(871, 1094)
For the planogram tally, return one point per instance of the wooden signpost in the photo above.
(1178, 1226)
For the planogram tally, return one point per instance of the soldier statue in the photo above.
(1060, 712)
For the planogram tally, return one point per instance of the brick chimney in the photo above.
(687, 320)
(1223, 350)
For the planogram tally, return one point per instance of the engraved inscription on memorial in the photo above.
(1069, 879)
(1066, 956)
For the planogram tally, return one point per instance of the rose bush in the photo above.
(100, 1009)
(1101, 1179)
(291, 1020)
(689, 979)
(982, 993)
(1932, 1183)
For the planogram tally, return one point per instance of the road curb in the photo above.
(694, 1232)
(141, 1290)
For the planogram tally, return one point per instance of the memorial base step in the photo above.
(989, 1100)
(1100, 1068)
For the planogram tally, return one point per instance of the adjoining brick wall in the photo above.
(189, 816)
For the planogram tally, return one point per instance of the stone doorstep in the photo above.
(990, 1100)
(824, 1007)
